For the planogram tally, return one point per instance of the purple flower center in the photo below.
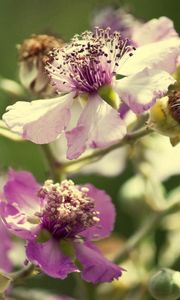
(89, 62)
(67, 210)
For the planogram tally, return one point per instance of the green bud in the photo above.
(109, 95)
(165, 285)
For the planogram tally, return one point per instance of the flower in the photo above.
(87, 69)
(57, 219)
(117, 20)
(141, 33)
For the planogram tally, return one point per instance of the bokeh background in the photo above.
(18, 20)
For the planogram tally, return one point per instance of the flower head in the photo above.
(32, 52)
(88, 69)
(57, 217)
(89, 62)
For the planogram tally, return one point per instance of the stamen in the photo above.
(89, 61)
(67, 208)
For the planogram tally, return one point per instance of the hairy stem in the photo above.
(151, 223)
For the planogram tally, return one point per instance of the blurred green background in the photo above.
(18, 20)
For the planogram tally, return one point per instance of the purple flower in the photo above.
(141, 33)
(86, 70)
(117, 20)
(60, 218)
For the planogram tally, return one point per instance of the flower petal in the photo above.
(20, 204)
(153, 31)
(106, 209)
(161, 55)
(21, 189)
(40, 121)
(99, 126)
(96, 268)
(50, 259)
(141, 90)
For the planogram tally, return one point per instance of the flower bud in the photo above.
(165, 285)
(165, 116)
(32, 53)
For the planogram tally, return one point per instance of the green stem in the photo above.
(85, 290)
(53, 166)
(141, 233)
(128, 139)
(23, 273)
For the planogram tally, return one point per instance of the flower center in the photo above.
(174, 105)
(67, 209)
(89, 62)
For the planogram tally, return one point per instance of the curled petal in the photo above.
(96, 268)
(49, 258)
(162, 55)
(99, 126)
(40, 121)
(141, 90)
(20, 204)
(153, 31)
(104, 206)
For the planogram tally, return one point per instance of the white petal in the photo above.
(161, 55)
(141, 90)
(99, 126)
(153, 31)
(40, 121)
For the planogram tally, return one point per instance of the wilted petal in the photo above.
(96, 268)
(99, 126)
(40, 121)
(161, 55)
(17, 222)
(141, 90)
(20, 204)
(49, 258)
(106, 209)
(153, 31)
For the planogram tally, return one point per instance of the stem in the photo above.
(54, 167)
(128, 139)
(23, 273)
(85, 291)
(141, 233)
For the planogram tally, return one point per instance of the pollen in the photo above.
(67, 208)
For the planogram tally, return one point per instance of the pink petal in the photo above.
(153, 31)
(96, 268)
(99, 126)
(40, 121)
(106, 209)
(49, 258)
(21, 189)
(21, 203)
(161, 55)
(141, 90)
